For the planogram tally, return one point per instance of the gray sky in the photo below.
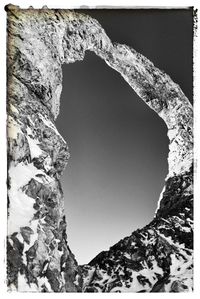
(118, 145)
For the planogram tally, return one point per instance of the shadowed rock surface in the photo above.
(156, 258)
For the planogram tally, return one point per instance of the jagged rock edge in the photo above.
(179, 167)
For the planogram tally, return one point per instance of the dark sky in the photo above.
(118, 145)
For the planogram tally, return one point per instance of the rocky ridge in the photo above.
(156, 258)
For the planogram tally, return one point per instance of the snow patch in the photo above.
(13, 128)
(14, 109)
(21, 209)
(35, 150)
(43, 281)
(159, 200)
(24, 286)
(127, 255)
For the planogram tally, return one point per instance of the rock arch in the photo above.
(39, 258)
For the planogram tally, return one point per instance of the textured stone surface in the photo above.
(156, 258)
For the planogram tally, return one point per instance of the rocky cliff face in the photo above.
(156, 258)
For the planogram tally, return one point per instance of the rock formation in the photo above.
(156, 258)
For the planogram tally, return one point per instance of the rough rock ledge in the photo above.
(156, 258)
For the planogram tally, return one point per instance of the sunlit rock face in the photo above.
(156, 258)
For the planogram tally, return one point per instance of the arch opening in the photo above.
(46, 256)
(118, 161)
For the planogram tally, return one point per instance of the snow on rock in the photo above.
(13, 128)
(156, 258)
(21, 210)
(33, 143)
(24, 286)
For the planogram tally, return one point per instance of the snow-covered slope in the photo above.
(37, 247)
(155, 258)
